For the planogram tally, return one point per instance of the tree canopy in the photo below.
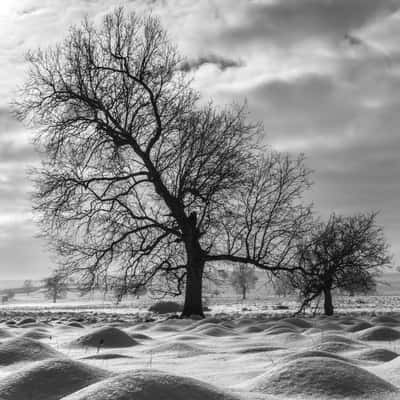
(140, 179)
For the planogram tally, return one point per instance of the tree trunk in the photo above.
(328, 306)
(244, 293)
(193, 293)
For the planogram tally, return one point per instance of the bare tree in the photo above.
(55, 286)
(120, 289)
(28, 287)
(142, 182)
(244, 279)
(343, 253)
(10, 294)
(282, 284)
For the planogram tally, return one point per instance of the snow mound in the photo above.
(337, 339)
(142, 327)
(320, 377)
(379, 333)
(329, 326)
(149, 385)
(4, 333)
(25, 349)
(252, 329)
(382, 355)
(228, 324)
(49, 380)
(214, 330)
(359, 326)
(139, 336)
(348, 320)
(218, 332)
(27, 320)
(201, 326)
(105, 356)
(75, 324)
(288, 337)
(336, 347)
(280, 328)
(179, 349)
(315, 353)
(163, 328)
(244, 321)
(107, 336)
(258, 349)
(188, 337)
(298, 322)
(385, 319)
(36, 333)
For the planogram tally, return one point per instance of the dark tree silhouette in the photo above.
(142, 182)
(55, 286)
(344, 253)
(243, 279)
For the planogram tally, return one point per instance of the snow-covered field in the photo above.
(89, 348)
(49, 354)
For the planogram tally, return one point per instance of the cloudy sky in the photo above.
(322, 75)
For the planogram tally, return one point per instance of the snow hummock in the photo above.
(36, 333)
(359, 326)
(25, 349)
(379, 333)
(181, 349)
(150, 385)
(49, 380)
(381, 355)
(320, 377)
(106, 337)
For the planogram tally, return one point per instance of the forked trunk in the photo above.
(328, 306)
(193, 293)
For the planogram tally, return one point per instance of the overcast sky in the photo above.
(323, 77)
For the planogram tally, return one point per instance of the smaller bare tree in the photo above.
(121, 289)
(56, 286)
(244, 279)
(10, 294)
(344, 253)
(282, 284)
(28, 287)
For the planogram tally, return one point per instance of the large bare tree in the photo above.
(142, 182)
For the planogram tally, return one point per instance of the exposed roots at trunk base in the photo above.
(189, 314)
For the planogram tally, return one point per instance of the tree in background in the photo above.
(28, 287)
(243, 279)
(140, 179)
(55, 286)
(120, 290)
(344, 253)
(10, 294)
(282, 284)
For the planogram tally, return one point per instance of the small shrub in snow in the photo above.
(166, 307)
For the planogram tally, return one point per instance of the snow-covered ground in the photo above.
(232, 354)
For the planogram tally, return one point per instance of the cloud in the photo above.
(221, 62)
(291, 22)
